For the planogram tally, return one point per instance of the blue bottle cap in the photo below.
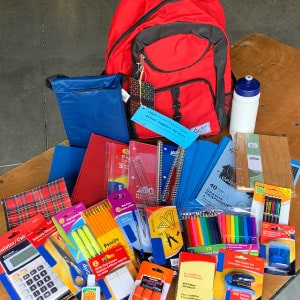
(247, 86)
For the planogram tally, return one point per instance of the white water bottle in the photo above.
(244, 105)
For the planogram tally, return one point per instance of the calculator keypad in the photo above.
(38, 283)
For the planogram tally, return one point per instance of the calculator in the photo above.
(30, 274)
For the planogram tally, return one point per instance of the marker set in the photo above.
(237, 228)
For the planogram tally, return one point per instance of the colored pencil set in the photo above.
(272, 208)
(200, 229)
(236, 228)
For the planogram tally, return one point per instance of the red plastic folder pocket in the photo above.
(91, 184)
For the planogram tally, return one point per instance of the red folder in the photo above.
(91, 183)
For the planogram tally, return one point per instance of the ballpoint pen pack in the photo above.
(271, 204)
(53, 249)
(134, 228)
(71, 227)
(238, 276)
(278, 248)
(152, 282)
(24, 272)
(166, 236)
(114, 272)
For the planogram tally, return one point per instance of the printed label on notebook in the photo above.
(164, 126)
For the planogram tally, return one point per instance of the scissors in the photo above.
(76, 274)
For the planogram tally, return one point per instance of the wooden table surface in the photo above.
(277, 67)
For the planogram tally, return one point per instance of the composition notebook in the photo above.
(262, 158)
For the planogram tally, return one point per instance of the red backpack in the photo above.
(185, 53)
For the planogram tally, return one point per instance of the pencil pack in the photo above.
(105, 228)
(152, 282)
(238, 276)
(130, 221)
(74, 233)
(54, 250)
(277, 247)
(24, 272)
(271, 204)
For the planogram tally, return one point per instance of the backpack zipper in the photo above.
(138, 23)
(166, 88)
(154, 67)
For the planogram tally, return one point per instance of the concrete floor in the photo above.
(39, 38)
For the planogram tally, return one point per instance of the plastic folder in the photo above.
(91, 104)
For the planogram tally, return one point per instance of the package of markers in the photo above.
(238, 276)
(24, 272)
(54, 250)
(277, 247)
(133, 226)
(271, 204)
(238, 232)
(152, 282)
(77, 236)
(114, 272)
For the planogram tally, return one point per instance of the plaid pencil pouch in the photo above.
(48, 199)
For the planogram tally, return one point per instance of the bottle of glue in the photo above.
(91, 291)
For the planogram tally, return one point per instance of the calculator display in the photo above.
(22, 256)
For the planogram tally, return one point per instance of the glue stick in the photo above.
(91, 291)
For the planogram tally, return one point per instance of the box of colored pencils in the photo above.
(238, 232)
(277, 247)
(201, 232)
(271, 204)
